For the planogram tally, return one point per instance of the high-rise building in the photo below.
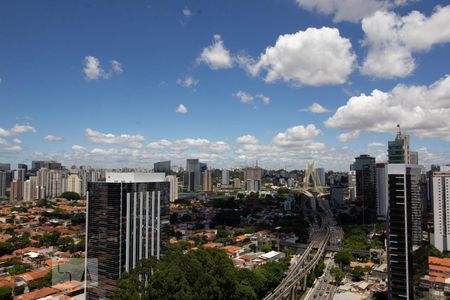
(252, 179)
(2, 184)
(398, 149)
(321, 175)
(237, 183)
(192, 175)
(23, 166)
(413, 157)
(162, 167)
(173, 181)
(29, 189)
(364, 167)
(225, 178)
(441, 210)
(404, 228)
(19, 174)
(382, 190)
(351, 175)
(16, 192)
(127, 221)
(5, 167)
(74, 183)
(207, 181)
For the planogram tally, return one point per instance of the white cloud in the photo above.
(189, 144)
(188, 82)
(92, 69)
(346, 10)
(375, 144)
(181, 109)
(78, 148)
(247, 139)
(17, 141)
(187, 12)
(420, 110)
(243, 96)
(298, 136)
(53, 138)
(216, 56)
(12, 148)
(16, 129)
(265, 100)
(348, 136)
(392, 39)
(97, 137)
(312, 57)
(316, 108)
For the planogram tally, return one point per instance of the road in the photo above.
(323, 289)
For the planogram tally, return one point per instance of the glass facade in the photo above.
(126, 222)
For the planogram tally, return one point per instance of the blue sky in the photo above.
(99, 82)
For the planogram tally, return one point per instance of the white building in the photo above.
(225, 177)
(441, 210)
(29, 189)
(74, 183)
(173, 180)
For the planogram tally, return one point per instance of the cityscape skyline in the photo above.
(158, 103)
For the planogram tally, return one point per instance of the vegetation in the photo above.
(199, 274)
(343, 258)
(5, 293)
(338, 274)
(70, 196)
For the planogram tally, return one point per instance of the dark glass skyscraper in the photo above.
(404, 228)
(162, 167)
(366, 192)
(127, 220)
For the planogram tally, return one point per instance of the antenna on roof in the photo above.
(399, 132)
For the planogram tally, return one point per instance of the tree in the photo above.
(5, 293)
(358, 273)
(70, 196)
(65, 243)
(343, 258)
(338, 274)
(266, 248)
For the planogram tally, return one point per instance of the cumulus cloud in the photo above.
(316, 108)
(421, 110)
(92, 69)
(247, 139)
(97, 137)
(376, 144)
(186, 12)
(188, 82)
(78, 148)
(216, 56)
(265, 100)
(243, 96)
(392, 40)
(53, 138)
(346, 10)
(348, 136)
(298, 136)
(312, 57)
(181, 109)
(182, 145)
(17, 129)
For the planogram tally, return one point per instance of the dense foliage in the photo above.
(70, 196)
(199, 274)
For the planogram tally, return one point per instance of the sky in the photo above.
(128, 83)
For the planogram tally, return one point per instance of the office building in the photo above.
(413, 157)
(127, 221)
(321, 175)
(351, 177)
(207, 185)
(173, 181)
(441, 210)
(382, 190)
(5, 167)
(252, 179)
(2, 184)
(162, 167)
(192, 176)
(23, 166)
(225, 178)
(364, 167)
(403, 228)
(74, 183)
(398, 149)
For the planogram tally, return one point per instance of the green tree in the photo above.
(70, 196)
(338, 274)
(5, 293)
(343, 258)
(358, 273)
(266, 248)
